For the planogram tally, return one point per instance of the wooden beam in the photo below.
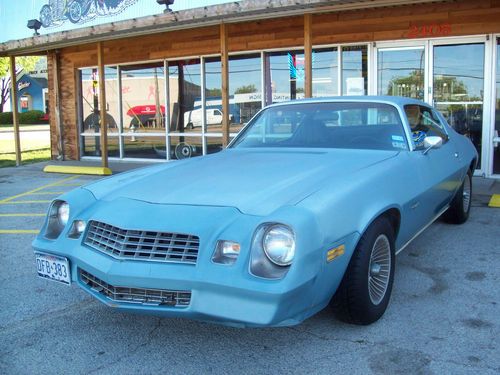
(102, 106)
(308, 54)
(56, 74)
(15, 113)
(225, 83)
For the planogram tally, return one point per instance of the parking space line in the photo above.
(68, 185)
(26, 202)
(21, 215)
(19, 231)
(9, 199)
(48, 193)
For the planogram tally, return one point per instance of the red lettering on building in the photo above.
(429, 31)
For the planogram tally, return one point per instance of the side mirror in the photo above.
(432, 142)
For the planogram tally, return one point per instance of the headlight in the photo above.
(58, 218)
(63, 213)
(279, 244)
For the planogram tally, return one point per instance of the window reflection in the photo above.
(144, 147)
(185, 147)
(245, 91)
(285, 76)
(185, 94)
(458, 88)
(354, 70)
(143, 98)
(496, 145)
(401, 73)
(325, 72)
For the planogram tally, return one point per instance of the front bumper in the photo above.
(219, 293)
(214, 297)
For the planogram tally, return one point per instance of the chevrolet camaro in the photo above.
(306, 208)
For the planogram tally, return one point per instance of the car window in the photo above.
(424, 122)
(355, 125)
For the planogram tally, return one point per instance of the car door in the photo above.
(438, 169)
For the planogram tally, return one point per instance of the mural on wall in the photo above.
(66, 15)
(56, 12)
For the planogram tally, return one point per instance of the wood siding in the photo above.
(379, 24)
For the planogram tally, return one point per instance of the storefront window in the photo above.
(184, 147)
(401, 72)
(144, 147)
(354, 70)
(496, 141)
(325, 72)
(90, 122)
(245, 89)
(213, 96)
(143, 98)
(185, 96)
(285, 76)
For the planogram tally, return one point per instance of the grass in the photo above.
(33, 150)
(27, 157)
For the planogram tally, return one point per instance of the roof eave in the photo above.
(208, 16)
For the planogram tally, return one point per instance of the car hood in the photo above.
(255, 181)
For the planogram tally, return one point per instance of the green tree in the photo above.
(25, 62)
(248, 89)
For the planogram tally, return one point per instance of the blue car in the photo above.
(306, 208)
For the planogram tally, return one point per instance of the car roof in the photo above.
(394, 100)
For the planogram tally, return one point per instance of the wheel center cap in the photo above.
(375, 269)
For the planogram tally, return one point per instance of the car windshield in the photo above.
(353, 125)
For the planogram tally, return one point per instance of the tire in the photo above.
(363, 296)
(46, 16)
(459, 209)
(75, 11)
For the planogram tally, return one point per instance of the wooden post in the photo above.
(308, 54)
(58, 113)
(225, 84)
(102, 106)
(15, 114)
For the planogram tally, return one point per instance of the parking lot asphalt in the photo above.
(444, 316)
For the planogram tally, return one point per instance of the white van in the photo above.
(193, 119)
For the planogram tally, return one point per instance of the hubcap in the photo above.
(466, 194)
(379, 269)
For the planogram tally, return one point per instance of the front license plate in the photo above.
(53, 268)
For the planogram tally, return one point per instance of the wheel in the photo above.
(46, 16)
(365, 290)
(459, 209)
(75, 11)
(189, 126)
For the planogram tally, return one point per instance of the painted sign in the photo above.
(23, 85)
(56, 12)
(64, 15)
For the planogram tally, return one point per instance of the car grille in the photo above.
(142, 245)
(150, 297)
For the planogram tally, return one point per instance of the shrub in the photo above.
(31, 117)
(6, 118)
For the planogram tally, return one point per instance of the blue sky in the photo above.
(15, 14)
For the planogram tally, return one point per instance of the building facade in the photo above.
(165, 83)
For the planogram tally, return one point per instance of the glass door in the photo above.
(496, 130)
(401, 71)
(458, 87)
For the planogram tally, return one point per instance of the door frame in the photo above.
(493, 90)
